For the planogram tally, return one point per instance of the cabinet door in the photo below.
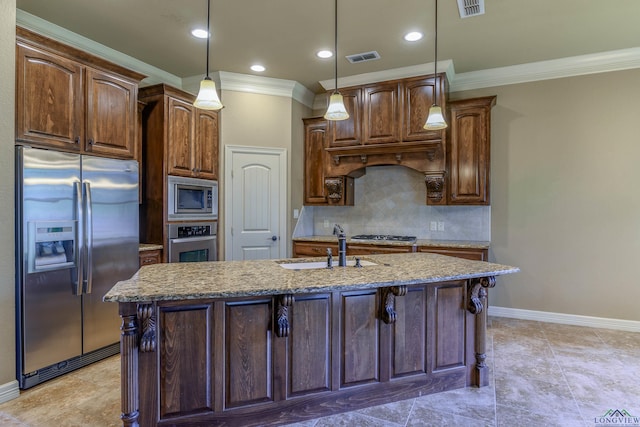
(346, 133)
(313, 249)
(377, 249)
(206, 144)
(418, 96)
(469, 151)
(466, 253)
(315, 131)
(446, 330)
(150, 257)
(248, 341)
(180, 137)
(49, 99)
(381, 121)
(309, 370)
(111, 115)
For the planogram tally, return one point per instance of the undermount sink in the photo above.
(321, 264)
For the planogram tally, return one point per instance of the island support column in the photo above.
(478, 304)
(129, 365)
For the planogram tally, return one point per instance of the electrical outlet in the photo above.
(326, 223)
(296, 213)
(440, 225)
(433, 226)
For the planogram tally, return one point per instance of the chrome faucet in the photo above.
(342, 245)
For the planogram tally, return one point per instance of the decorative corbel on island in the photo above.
(388, 297)
(224, 343)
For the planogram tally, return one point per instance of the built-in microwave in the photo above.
(192, 199)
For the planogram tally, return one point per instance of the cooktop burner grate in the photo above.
(384, 237)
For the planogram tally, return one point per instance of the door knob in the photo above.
(274, 238)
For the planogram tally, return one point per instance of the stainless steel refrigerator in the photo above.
(76, 236)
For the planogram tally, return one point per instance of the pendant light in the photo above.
(336, 109)
(435, 120)
(208, 96)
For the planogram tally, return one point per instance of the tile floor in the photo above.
(542, 374)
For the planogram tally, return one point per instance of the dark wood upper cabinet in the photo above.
(469, 151)
(347, 133)
(320, 189)
(315, 131)
(180, 130)
(111, 115)
(418, 97)
(381, 118)
(69, 100)
(60, 86)
(206, 153)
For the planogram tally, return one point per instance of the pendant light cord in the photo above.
(435, 59)
(335, 49)
(208, 32)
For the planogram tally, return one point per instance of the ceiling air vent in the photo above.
(362, 57)
(469, 8)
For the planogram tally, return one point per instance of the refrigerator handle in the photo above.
(79, 246)
(88, 232)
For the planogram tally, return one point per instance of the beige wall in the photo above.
(257, 120)
(7, 136)
(565, 195)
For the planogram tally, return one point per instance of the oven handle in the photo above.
(193, 239)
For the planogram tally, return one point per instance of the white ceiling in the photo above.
(284, 35)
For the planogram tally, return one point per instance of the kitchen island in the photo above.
(240, 343)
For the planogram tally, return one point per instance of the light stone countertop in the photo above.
(472, 244)
(148, 247)
(223, 279)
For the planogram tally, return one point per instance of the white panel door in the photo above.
(256, 197)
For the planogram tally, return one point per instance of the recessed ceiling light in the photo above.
(200, 33)
(324, 54)
(413, 36)
(258, 68)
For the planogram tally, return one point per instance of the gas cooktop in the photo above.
(384, 237)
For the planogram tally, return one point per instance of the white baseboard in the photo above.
(9, 391)
(566, 319)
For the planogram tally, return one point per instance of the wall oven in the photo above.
(193, 242)
(192, 199)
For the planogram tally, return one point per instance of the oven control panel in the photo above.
(181, 231)
(194, 231)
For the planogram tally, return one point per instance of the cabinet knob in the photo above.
(77, 140)
(90, 141)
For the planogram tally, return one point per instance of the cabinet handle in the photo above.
(90, 141)
(77, 140)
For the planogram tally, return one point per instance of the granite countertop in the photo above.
(149, 247)
(220, 279)
(420, 242)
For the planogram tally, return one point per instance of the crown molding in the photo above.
(604, 62)
(47, 29)
(445, 66)
(266, 86)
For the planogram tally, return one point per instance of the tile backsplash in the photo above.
(391, 200)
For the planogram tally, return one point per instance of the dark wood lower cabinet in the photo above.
(286, 358)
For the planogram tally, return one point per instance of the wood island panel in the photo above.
(244, 354)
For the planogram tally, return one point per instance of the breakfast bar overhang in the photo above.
(242, 343)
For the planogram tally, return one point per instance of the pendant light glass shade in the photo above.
(435, 119)
(208, 96)
(336, 110)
